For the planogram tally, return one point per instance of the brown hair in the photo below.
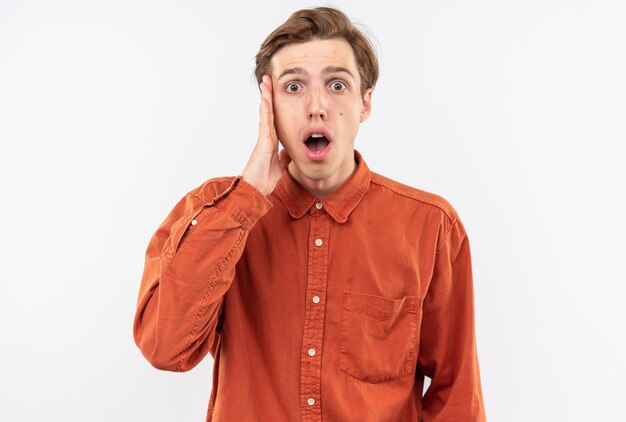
(321, 23)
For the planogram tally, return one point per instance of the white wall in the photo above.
(110, 111)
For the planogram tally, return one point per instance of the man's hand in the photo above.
(266, 165)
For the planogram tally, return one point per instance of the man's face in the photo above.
(316, 91)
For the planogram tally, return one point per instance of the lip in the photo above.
(319, 155)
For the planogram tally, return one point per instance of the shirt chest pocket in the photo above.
(379, 336)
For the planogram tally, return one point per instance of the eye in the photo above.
(293, 87)
(338, 86)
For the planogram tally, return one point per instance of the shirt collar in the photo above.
(338, 204)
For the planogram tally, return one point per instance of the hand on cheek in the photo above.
(266, 165)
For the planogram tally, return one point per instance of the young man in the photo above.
(323, 291)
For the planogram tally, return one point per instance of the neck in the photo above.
(324, 187)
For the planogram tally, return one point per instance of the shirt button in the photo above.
(310, 402)
(194, 222)
(318, 205)
(311, 352)
(318, 242)
(316, 299)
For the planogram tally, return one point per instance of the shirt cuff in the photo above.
(243, 202)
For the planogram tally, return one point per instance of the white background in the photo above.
(110, 111)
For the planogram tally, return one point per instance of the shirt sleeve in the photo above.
(448, 343)
(189, 266)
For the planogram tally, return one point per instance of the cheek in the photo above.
(283, 123)
(284, 112)
(280, 116)
(349, 116)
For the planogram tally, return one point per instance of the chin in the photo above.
(312, 170)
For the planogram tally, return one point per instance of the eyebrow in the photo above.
(302, 71)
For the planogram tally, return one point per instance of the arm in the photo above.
(190, 261)
(448, 344)
(190, 264)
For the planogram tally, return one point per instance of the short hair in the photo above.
(321, 23)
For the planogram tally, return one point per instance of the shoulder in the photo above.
(414, 196)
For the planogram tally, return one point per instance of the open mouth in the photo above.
(316, 142)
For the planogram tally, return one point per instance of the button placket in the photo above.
(317, 271)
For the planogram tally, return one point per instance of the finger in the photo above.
(265, 131)
(267, 80)
(266, 94)
(265, 91)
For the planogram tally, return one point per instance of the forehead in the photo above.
(314, 55)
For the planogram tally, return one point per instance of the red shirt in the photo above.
(331, 309)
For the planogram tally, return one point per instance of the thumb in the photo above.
(283, 159)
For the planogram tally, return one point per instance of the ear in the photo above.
(367, 105)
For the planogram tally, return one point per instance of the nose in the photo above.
(315, 113)
(317, 105)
